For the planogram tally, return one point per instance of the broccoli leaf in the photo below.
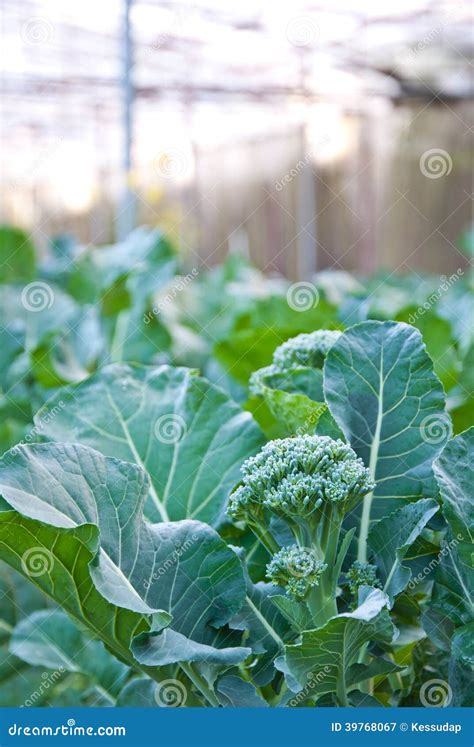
(453, 591)
(50, 639)
(180, 570)
(455, 475)
(188, 435)
(324, 659)
(381, 389)
(267, 628)
(234, 692)
(461, 667)
(292, 398)
(390, 539)
(29, 545)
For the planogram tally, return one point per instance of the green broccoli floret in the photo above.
(305, 350)
(362, 574)
(296, 569)
(294, 477)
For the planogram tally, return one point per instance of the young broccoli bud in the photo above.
(294, 477)
(296, 569)
(362, 574)
(305, 350)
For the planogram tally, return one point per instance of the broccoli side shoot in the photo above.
(307, 350)
(296, 569)
(362, 574)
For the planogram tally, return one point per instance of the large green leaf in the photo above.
(381, 389)
(454, 471)
(453, 591)
(391, 538)
(188, 435)
(34, 547)
(50, 639)
(180, 570)
(324, 659)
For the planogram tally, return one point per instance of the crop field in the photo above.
(221, 489)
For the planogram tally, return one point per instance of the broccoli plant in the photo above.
(309, 483)
(305, 487)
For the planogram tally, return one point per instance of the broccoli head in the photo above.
(293, 477)
(305, 350)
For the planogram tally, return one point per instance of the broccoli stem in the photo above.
(341, 694)
(364, 528)
(199, 683)
(374, 452)
(321, 607)
(321, 601)
(331, 529)
(265, 537)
